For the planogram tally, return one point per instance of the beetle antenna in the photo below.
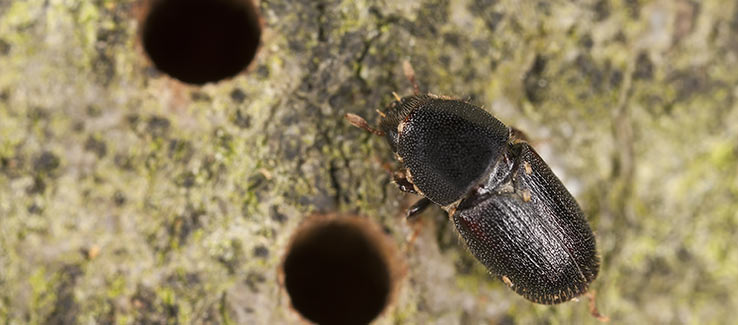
(407, 68)
(361, 123)
(381, 113)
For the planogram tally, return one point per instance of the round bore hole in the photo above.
(200, 41)
(340, 270)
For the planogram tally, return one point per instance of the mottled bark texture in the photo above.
(127, 196)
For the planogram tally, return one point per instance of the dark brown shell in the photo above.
(528, 230)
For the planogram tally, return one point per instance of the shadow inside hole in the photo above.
(200, 41)
(336, 274)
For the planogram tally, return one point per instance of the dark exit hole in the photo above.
(200, 41)
(337, 272)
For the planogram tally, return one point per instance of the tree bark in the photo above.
(128, 196)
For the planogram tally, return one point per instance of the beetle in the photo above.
(514, 215)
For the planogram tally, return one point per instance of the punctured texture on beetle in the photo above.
(543, 245)
(447, 145)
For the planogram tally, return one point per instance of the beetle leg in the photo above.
(593, 308)
(403, 183)
(517, 136)
(417, 208)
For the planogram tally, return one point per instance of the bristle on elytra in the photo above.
(397, 97)
(361, 123)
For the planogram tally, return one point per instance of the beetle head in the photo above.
(397, 112)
